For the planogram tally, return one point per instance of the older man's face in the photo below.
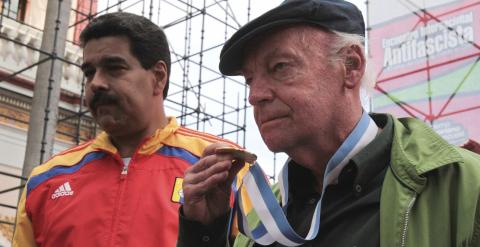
(294, 87)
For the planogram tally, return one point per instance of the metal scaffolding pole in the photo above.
(43, 114)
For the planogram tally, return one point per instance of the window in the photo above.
(14, 8)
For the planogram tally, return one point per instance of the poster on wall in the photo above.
(426, 58)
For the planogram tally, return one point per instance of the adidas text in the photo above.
(63, 190)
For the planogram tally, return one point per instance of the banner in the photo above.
(426, 57)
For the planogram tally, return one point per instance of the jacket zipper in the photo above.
(405, 222)
(124, 171)
(121, 192)
(120, 195)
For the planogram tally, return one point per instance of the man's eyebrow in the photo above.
(105, 60)
(112, 60)
(279, 53)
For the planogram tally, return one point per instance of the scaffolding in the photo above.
(199, 95)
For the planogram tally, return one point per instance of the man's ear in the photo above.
(160, 73)
(355, 63)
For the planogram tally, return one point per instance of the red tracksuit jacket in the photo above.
(85, 197)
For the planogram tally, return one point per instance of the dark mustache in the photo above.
(102, 98)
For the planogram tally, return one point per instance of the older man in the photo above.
(352, 179)
(124, 187)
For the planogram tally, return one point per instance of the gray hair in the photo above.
(346, 39)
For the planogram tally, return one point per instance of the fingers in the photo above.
(206, 168)
(206, 174)
(206, 185)
(237, 153)
(215, 170)
(208, 161)
(210, 149)
(218, 152)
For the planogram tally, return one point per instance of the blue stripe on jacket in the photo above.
(179, 153)
(59, 170)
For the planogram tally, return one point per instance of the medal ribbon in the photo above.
(253, 193)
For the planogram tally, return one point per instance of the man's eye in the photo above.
(113, 67)
(88, 73)
(279, 66)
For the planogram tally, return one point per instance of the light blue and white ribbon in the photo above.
(273, 225)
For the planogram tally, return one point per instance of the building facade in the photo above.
(21, 25)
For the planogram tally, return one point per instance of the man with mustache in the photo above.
(124, 187)
(352, 178)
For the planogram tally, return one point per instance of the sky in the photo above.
(173, 10)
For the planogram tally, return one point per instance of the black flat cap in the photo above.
(337, 15)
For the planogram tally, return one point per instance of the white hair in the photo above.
(343, 40)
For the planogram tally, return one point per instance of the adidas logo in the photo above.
(63, 190)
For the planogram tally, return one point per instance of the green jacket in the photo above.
(431, 192)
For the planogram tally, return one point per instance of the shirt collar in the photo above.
(302, 179)
(369, 162)
(363, 167)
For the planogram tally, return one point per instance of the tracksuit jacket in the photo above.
(430, 195)
(86, 196)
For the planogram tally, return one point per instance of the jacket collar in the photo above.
(149, 144)
(417, 150)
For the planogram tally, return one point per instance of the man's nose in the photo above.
(260, 92)
(98, 82)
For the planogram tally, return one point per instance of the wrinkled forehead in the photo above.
(268, 44)
(294, 38)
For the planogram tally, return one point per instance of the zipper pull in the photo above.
(124, 170)
(126, 163)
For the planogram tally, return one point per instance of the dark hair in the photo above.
(148, 42)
